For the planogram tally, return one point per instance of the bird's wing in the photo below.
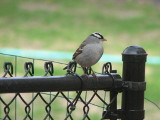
(79, 50)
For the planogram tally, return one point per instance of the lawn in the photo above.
(61, 25)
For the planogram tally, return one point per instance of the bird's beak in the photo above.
(104, 39)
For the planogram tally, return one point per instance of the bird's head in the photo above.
(99, 36)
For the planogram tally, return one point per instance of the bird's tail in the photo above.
(71, 65)
(65, 67)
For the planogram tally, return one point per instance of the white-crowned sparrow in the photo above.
(90, 51)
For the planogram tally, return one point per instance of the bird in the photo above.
(89, 52)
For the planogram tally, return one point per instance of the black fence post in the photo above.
(134, 58)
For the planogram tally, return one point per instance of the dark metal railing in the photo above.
(131, 85)
(59, 83)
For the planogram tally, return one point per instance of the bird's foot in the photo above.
(94, 75)
(85, 75)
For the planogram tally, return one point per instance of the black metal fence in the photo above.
(75, 90)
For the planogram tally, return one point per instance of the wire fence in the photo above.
(76, 99)
(72, 98)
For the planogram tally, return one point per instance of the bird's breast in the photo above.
(90, 55)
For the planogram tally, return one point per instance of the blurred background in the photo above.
(61, 25)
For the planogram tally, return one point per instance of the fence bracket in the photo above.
(138, 113)
(134, 86)
(119, 114)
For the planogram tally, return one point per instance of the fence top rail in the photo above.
(59, 83)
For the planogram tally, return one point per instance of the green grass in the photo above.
(29, 22)
(61, 25)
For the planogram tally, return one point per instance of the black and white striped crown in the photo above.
(97, 35)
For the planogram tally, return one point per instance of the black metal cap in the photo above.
(134, 50)
(134, 54)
